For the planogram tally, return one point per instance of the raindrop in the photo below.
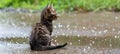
(93, 31)
(58, 32)
(70, 32)
(52, 39)
(84, 49)
(105, 31)
(116, 18)
(106, 24)
(59, 25)
(88, 47)
(17, 43)
(100, 32)
(110, 45)
(78, 35)
(118, 31)
(55, 26)
(113, 29)
(55, 40)
(63, 34)
(115, 36)
(93, 42)
(70, 43)
(14, 33)
(67, 26)
(57, 43)
(84, 28)
(90, 44)
(94, 27)
(79, 40)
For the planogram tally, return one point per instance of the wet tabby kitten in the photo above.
(40, 38)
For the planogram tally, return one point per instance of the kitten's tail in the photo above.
(43, 48)
(55, 47)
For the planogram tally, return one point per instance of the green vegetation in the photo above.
(71, 5)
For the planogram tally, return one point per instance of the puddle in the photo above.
(78, 45)
(93, 33)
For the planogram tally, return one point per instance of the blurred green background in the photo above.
(67, 5)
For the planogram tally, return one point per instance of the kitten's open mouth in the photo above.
(58, 15)
(55, 19)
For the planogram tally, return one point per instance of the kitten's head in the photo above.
(49, 13)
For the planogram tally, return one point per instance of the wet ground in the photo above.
(86, 33)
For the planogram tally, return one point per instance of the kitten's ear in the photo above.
(48, 6)
(51, 5)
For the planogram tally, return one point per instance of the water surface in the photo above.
(86, 33)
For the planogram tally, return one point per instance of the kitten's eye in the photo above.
(53, 12)
(39, 28)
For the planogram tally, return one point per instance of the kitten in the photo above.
(40, 38)
(47, 16)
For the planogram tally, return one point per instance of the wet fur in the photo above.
(40, 38)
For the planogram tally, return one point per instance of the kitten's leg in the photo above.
(50, 43)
